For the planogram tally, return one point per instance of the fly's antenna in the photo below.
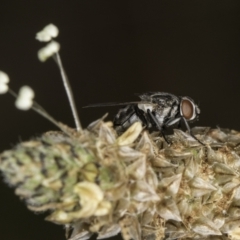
(69, 92)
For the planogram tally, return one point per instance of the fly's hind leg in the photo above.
(141, 116)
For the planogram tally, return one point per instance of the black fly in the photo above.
(156, 110)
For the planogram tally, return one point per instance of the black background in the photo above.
(112, 49)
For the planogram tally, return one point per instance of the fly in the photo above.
(158, 110)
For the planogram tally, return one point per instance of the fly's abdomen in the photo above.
(125, 118)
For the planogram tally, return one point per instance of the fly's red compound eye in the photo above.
(187, 109)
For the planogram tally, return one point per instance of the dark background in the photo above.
(112, 49)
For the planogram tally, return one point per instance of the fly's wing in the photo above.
(115, 104)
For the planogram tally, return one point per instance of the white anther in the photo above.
(52, 30)
(4, 80)
(48, 32)
(25, 97)
(48, 51)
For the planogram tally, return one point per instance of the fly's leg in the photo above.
(190, 131)
(164, 136)
(172, 121)
(140, 114)
(179, 125)
(159, 127)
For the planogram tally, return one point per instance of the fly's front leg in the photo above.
(190, 131)
(173, 121)
(159, 127)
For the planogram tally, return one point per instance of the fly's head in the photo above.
(189, 109)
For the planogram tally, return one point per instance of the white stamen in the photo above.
(48, 32)
(48, 51)
(52, 30)
(4, 80)
(43, 37)
(25, 97)
(69, 93)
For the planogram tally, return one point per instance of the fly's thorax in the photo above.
(162, 113)
(145, 107)
(165, 111)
